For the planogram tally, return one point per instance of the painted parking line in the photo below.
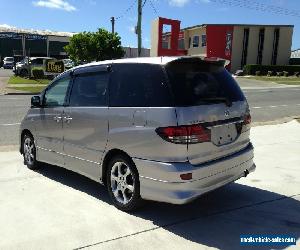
(10, 124)
(274, 106)
(265, 90)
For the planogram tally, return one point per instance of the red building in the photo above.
(241, 44)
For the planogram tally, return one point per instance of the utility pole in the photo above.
(112, 19)
(139, 27)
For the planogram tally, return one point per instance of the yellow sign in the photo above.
(53, 66)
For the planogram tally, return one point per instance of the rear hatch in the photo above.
(211, 106)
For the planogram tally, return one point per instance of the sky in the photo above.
(88, 15)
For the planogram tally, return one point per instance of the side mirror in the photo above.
(35, 101)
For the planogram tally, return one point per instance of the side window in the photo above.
(56, 94)
(195, 41)
(139, 85)
(90, 89)
(203, 42)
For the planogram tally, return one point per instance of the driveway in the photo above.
(56, 209)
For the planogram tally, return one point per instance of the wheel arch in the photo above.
(107, 158)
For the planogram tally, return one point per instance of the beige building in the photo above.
(241, 44)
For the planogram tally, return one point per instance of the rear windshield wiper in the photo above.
(218, 99)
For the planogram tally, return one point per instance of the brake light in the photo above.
(185, 134)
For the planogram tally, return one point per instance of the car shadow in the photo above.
(216, 219)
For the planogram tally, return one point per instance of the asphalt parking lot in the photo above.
(56, 209)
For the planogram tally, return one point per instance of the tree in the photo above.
(94, 46)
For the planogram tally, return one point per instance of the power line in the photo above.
(144, 3)
(253, 5)
(127, 10)
(153, 7)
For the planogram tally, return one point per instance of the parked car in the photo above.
(8, 62)
(165, 129)
(24, 67)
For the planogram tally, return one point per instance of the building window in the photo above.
(181, 44)
(203, 40)
(190, 42)
(165, 45)
(195, 41)
(260, 49)
(275, 46)
(245, 48)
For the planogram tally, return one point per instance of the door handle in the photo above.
(67, 119)
(57, 118)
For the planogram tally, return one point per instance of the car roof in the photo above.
(145, 60)
(148, 60)
(163, 60)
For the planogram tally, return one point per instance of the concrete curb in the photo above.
(21, 93)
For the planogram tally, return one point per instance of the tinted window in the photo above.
(90, 90)
(37, 61)
(139, 85)
(199, 82)
(56, 93)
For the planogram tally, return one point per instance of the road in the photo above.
(268, 102)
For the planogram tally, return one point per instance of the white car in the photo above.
(8, 62)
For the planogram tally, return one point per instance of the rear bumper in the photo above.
(160, 181)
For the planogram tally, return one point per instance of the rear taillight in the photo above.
(185, 134)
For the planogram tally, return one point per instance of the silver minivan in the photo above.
(166, 129)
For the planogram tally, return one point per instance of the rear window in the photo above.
(199, 82)
(139, 85)
(9, 59)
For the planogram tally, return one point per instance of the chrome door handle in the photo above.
(57, 118)
(67, 119)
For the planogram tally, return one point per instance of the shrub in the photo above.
(285, 73)
(294, 61)
(250, 69)
(38, 73)
(279, 73)
(270, 73)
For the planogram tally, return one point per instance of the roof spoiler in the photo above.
(214, 60)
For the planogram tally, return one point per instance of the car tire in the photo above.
(29, 152)
(23, 72)
(123, 183)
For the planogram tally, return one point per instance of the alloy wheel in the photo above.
(29, 151)
(122, 182)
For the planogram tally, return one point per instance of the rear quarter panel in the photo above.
(137, 137)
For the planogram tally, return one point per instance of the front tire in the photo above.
(123, 183)
(29, 152)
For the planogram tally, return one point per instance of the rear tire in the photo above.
(29, 152)
(123, 183)
(23, 73)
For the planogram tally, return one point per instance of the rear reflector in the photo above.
(185, 134)
(186, 177)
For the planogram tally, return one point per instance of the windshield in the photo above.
(9, 59)
(195, 83)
